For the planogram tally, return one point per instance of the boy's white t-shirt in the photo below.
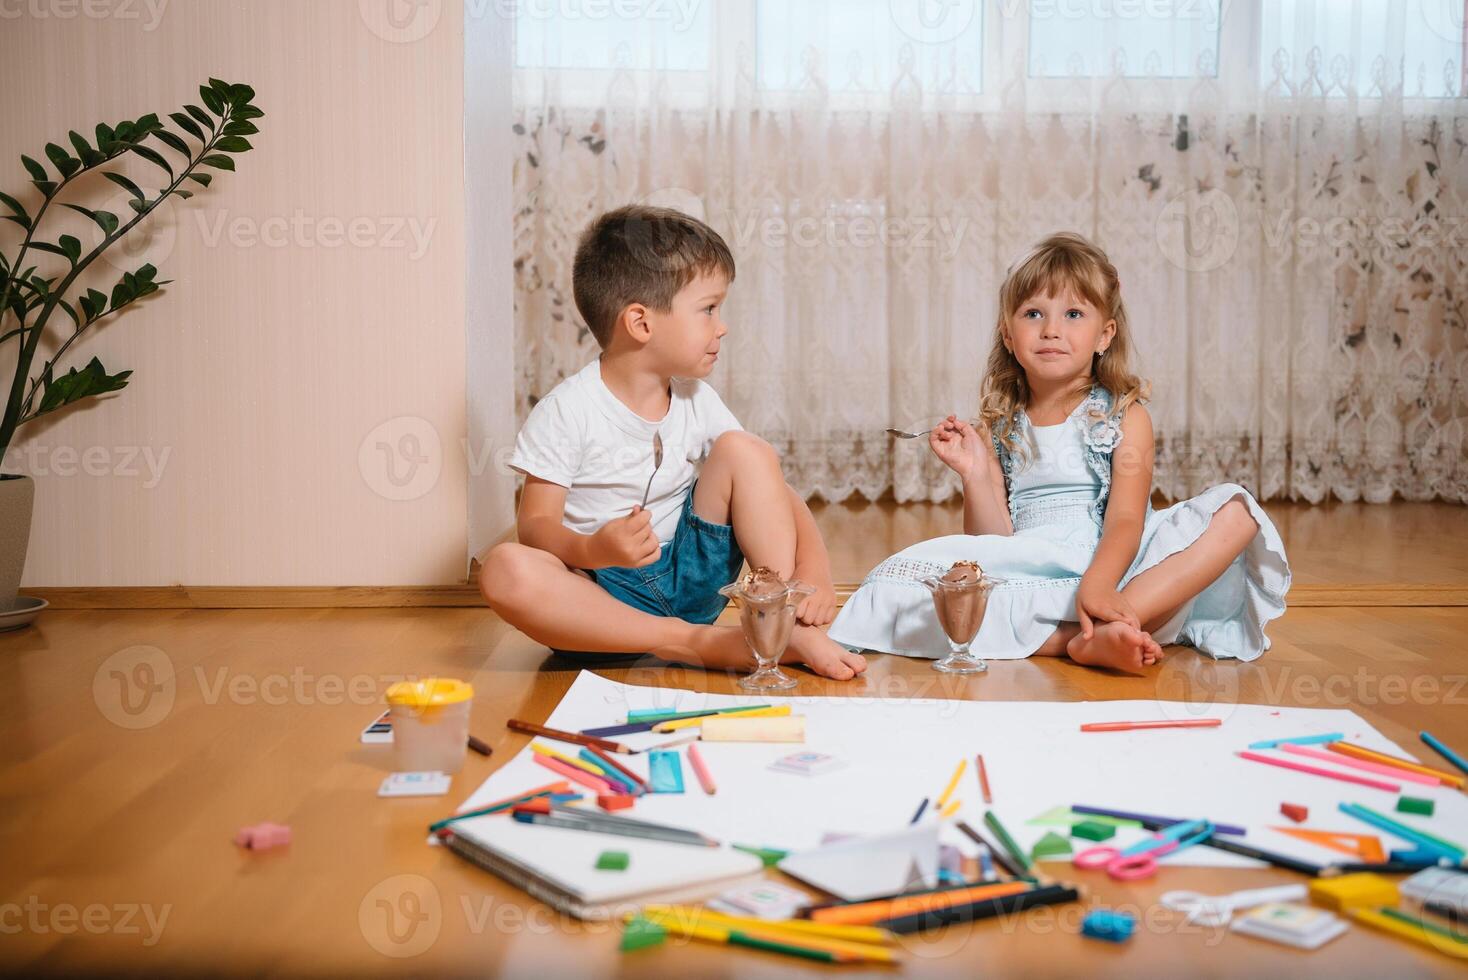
(581, 437)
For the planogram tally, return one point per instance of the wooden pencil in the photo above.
(984, 780)
(601, 754)
(575, 738)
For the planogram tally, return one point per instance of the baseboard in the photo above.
(465, 595)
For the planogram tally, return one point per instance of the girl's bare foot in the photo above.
(1117, 645)
(811, 646)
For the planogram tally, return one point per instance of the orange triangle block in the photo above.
(1367, 847)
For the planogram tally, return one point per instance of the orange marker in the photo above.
(701, 771)
(1131, 726)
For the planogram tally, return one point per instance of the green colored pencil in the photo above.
(1015, 851)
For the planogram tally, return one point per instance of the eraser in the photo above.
(1296, 812)
(1114, 927)
(1415, 804)
(616, 801)
(613, 861)
(1092, 831)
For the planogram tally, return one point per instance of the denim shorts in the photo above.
(684, 582)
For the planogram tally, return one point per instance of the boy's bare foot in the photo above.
(1117, 645)
(811, 646)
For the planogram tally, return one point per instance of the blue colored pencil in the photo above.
(1444, 751)
(1270, 743)
(923, 806)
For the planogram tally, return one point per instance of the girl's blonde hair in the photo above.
(1064, 262)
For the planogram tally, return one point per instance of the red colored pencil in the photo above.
(555, 734)
(601, 786)
(1127, 726)
(701, 771)
(984, 780)
(1344, 777)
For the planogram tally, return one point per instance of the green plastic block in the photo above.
(640, 933)
(613, 861)
(1091, 830)
(1415, 804)
(1050, 846)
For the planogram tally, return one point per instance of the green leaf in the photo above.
(71, 246)
(212, 99)
(200, 115)
(173, 141)
(218, 161)
(48, 248)
(246, 112)
(70, 311)
(126, 185)
(240, 128)
(75, 385)
(241, 93)
(149, 123)
(137, 205)
(234, 144)
(90, 310)
(105, 220)
(187, 125)
(62, 160)
(122, 293)
(89, 156)
(14, 206)
(36, 171)
(10, 217)
(105, 137)
(184, 194)
(126, 132)
(202, 178)
(47, 187)
(152, 156)
(221, 87)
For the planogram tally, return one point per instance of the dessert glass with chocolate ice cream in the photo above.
(767, 613)
(960, 597)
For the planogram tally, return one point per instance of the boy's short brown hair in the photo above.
(641, 254)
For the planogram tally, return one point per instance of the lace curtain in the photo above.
(1284, 190)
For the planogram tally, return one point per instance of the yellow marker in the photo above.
(569, 760)
(950, 810)
(1408, 931)
(673, 726)
(803, 927)
(952, 784)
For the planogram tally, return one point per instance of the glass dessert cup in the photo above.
(960, 597)
(766, 605)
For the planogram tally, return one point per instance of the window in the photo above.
(1153, 39)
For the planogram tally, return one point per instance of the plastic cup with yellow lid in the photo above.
(430, 723)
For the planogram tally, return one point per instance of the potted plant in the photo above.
(202, 140)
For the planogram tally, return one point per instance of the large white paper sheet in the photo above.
(901, 750)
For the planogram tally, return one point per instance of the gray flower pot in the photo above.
(17, 498)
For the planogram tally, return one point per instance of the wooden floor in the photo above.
(137, 741)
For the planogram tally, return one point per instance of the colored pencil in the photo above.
(600, 786)
(997, 853)
(983, 779)
(950, 809)
(1444, 751)
(479, 745)
(655, 716)
(637, 780)
(500, 805)
(555, 734)
(1243, 850)
(1344, 777)
(1144, 818)
(572, 819)
(667, 745)
(1371, 755)
(952, 784)
(569, 760)
(1385, 867)
(919, 814)
(1131, 726)
(1381, 769)
(1424, 925)
(1419, 837)
(1386, 923)
(982, 909)
(813, 948)
(866, 913)
(1015, 851)
(764, 712)
(630, 728)
(805, 927)
(1274, 743)
(701, 770)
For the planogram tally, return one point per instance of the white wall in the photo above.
(281, 377)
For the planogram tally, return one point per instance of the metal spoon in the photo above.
(657, 462)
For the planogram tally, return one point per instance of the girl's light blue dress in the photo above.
(1057, 503)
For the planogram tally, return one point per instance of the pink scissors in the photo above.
(1140, 860)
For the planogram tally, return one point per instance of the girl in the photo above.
(1057, 484)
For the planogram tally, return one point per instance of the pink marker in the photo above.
(1344, 777)
(1376, 767)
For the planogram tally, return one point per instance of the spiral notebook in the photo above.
(558, 866)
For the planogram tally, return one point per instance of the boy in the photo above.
(595, 569)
